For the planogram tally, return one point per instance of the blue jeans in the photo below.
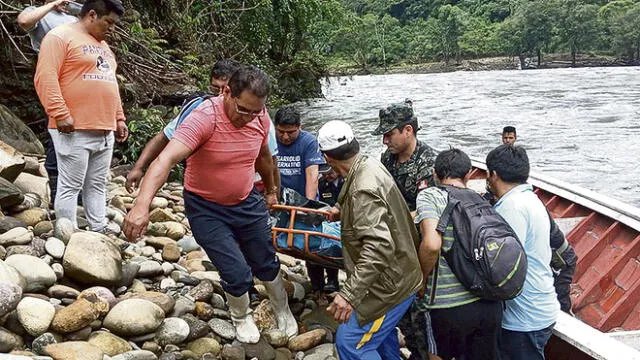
(375, 340)
(519, 345)
(236, 238)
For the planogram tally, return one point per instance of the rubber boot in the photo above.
(246, 329)
(280, 303)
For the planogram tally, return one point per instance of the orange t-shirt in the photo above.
(76, 76)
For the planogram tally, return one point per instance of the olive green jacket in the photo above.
(379, 239)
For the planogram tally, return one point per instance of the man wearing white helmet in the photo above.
(379, 246)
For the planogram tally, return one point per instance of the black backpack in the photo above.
(486, 256)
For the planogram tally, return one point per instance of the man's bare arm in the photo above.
(150, 152)
(28, 18)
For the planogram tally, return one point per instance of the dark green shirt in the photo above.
(414, 174)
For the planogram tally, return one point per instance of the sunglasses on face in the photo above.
(244, 111)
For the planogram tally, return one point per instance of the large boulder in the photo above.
(92, 258)
(11, 162)
(134, 317)
(10, 195)
(78, 315)
(17, 134)
(35, 271)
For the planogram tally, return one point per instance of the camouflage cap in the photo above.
(393, 116)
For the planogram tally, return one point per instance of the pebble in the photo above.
(172, 331)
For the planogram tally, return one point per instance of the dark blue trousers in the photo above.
(236, 238)
(518, 345)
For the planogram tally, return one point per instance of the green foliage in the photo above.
(441, 30)
(143, 125)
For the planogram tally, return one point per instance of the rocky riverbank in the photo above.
(68, 294)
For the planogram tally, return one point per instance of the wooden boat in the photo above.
(605, 234)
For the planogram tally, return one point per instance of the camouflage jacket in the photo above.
(414, 174)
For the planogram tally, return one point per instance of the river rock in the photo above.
(29, 183)
(92, 258)
(170, 229)
(204, 311)
(62, 291)
(264, 316)
(134, 317)
(10, 295)
(158, 242)
(58, 270)
(204, 345)
(80, 335)
(172, 331)
(223, 329)
(103, 294)
(8, 222)
(43, 227)
(109, 343)
(37, 274)
(307, 340)
(160, 215)
(159, 202)
(63, 229)
(35, 315)
(197, 327)
(203, 291)
(150, 268)
(171, 252)
(232, 353)
(32, 216)
(55, 247)
(22, 250)
(10, 196)
(183, 306)
(188, 244)
(78, 315)
(136, 355)
(11, 162)
(16, 236)
(17, 134)
(9, 341)
(261, 350)
(74, 350)
(164, 301)
(276, 337)
(39, 343)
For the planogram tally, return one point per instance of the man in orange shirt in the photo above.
(76, 82)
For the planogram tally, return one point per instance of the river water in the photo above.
(578, 125)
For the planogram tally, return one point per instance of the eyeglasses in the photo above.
(242, 111)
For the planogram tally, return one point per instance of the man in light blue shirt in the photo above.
(529, 318)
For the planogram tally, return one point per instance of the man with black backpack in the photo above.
(529, 318)
(464, 324)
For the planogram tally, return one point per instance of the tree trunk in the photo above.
(522, 64)
(539, 57)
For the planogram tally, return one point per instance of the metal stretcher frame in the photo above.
(306, 254)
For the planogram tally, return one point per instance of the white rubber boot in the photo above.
(246, 329)
(280, 302)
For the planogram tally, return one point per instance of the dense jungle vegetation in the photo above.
(166, 47)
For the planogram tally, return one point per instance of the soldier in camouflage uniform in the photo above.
(408, 159)
(410, 162)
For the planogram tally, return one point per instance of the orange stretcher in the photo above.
(304, 254)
